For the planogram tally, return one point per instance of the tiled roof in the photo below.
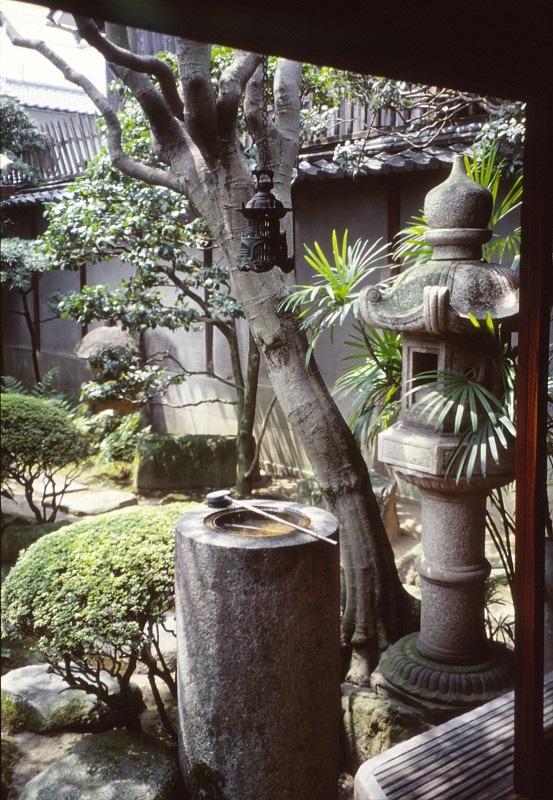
(51, 98)
(390, 153)
(36, 196)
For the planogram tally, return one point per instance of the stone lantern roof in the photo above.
(438, 296)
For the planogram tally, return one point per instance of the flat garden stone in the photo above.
(34, 699)
(90, 503)
(116, 765)
(374, 723)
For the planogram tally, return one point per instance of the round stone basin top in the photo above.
(243, 522)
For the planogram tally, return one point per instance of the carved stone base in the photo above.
(415, 677)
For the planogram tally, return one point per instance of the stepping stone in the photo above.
(36, 700)
(89, 503)
(117, 765)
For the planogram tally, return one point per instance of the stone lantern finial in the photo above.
(458, 202)
(457, 213)
(442, 294)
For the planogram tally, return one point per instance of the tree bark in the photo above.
(31, 327)
(246, 450)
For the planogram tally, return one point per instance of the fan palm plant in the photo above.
(335, 293)
(483, 420)
(374, 382)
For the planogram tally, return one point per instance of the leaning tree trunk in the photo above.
(246, 467)
(246, 382)
(377, 610)
(195, 133)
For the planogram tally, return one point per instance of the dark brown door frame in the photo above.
(532, 767)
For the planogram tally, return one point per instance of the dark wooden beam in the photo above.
(481, 48)
(531, 769)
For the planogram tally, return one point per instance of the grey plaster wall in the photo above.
(370, 208)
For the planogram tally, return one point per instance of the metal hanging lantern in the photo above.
(263, 245)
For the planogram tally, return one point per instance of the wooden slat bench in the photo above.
(468, 758)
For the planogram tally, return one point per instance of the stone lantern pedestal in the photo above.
(449, 663)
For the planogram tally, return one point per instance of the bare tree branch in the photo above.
(164, 125)
(124, 162)
(253, 105)
(163, 355)
(232, 84)
(213, 400)
(199, 96)
(287, 117)
(287, 97)
(260, 436)
(138, 63)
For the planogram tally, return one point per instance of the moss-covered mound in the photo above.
(167, 462)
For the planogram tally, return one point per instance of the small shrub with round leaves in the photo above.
(92, 596)
(41, 451)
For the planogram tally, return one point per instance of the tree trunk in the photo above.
(245, 442)
(32, 336)
(196, 135)
(377, 610)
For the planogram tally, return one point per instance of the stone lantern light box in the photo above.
(431, 305)
(449, 662)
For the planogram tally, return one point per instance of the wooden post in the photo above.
(530, 768)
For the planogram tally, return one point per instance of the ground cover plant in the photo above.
(92, 596)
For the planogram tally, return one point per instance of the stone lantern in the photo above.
(449, 663)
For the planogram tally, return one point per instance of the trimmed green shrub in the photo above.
(39, 441)
(92, 596)
(168, 462)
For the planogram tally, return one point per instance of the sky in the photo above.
(27, 65)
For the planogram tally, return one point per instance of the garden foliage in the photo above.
(92, 597)
(41, 451)
(20, 135)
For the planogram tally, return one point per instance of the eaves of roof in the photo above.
(36, 196)
(388, 154)
(48, 98)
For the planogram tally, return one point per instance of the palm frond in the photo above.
(334, 296)
(483, 422)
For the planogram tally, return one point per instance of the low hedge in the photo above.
(165, 461)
